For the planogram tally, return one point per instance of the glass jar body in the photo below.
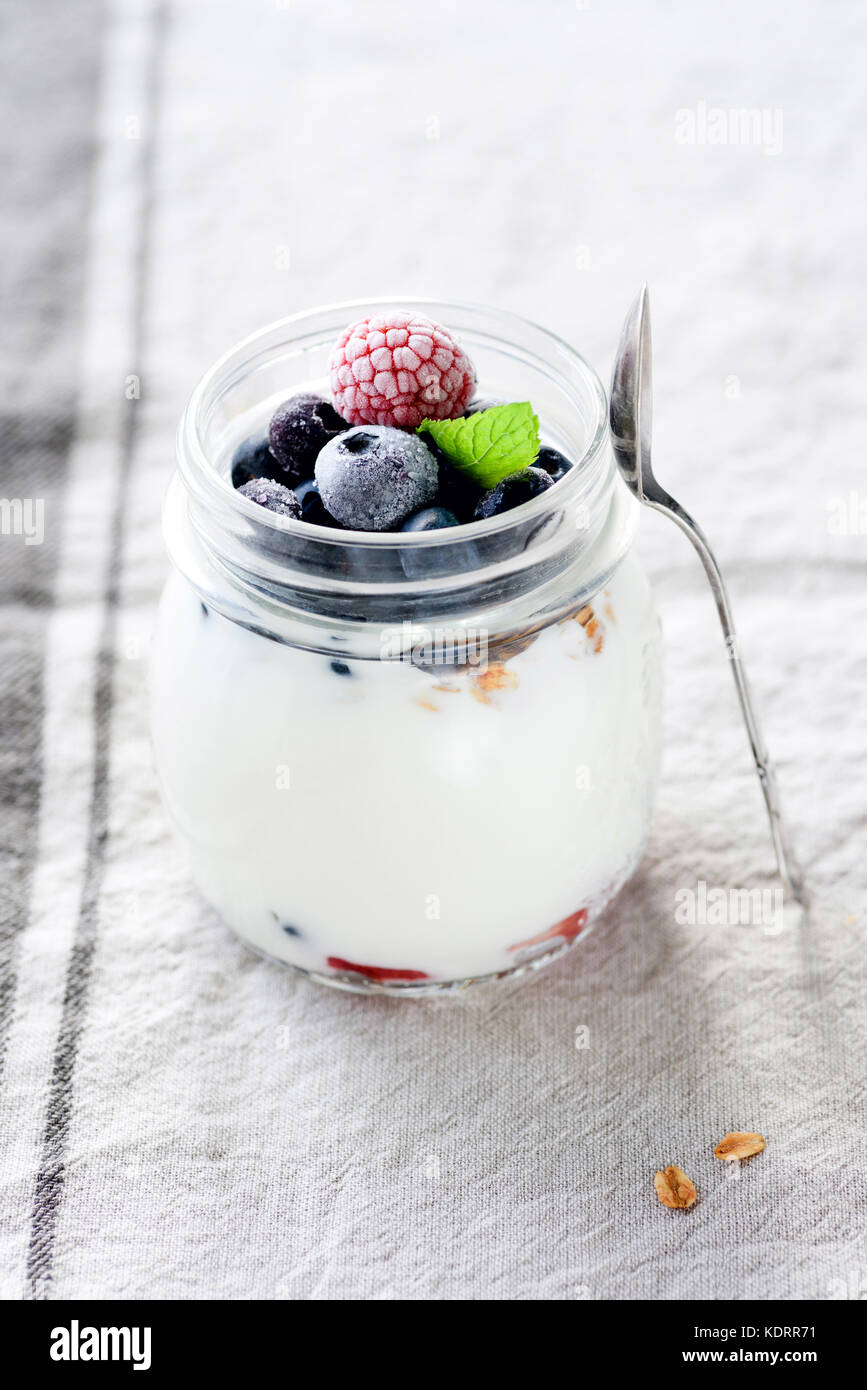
(426, 825)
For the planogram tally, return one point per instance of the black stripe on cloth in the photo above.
(50, 1179)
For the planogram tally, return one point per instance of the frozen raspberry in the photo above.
(569, 928)
(398, 369)
(376, 972)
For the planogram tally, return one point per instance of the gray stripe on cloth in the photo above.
(47, 153)
(50, 1179)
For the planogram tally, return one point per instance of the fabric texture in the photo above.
(180, 1119)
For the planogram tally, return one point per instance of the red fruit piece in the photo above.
(376, 972)
(569, 928)
(398, 368)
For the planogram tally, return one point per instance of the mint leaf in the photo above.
(489, 446)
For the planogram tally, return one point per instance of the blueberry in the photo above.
(373, 477)
(553, 462)
(430, 519)
(273, 496)
(299, 429)
(340, 668)
(312, 506)
(456, 492)
(253, 459)
(428, 562)
(287, 927)
(480, 403)
(512, 491)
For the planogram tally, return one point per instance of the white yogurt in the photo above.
(378, 820)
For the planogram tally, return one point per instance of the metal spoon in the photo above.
(630, 416)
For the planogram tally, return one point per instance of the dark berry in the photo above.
(299, 429)
(431, 561)
(430, 519)
(480, 403)
(456, 492)
(274, 496)
(253, 459)
(374, 476)
(512, 491)
(312, 506)
(287, 927)
(553, 462)
(340, 668)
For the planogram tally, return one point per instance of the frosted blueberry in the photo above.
(372, 477)
(273, 496)
(480, 403)
(298, 430)
(512, 491)
(253, 459)
(553, 462)
(312, 506)
(457, 493)
(430, 519)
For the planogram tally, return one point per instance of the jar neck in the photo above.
(554, 564)
(299, 582)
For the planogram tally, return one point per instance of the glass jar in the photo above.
(402, 762)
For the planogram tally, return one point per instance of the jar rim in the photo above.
(199, 472)
(275, 570)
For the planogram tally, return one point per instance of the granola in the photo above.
(674, 1189)
(739, 1144)
(487, 683)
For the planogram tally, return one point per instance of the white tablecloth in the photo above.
(179, 1118)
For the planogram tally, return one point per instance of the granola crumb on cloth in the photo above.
(739, 1144)
(674, 1189)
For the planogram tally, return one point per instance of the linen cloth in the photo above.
(180, 1119)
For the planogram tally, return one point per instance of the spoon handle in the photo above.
(790, 873)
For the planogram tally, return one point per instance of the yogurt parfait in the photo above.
(406, 675)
